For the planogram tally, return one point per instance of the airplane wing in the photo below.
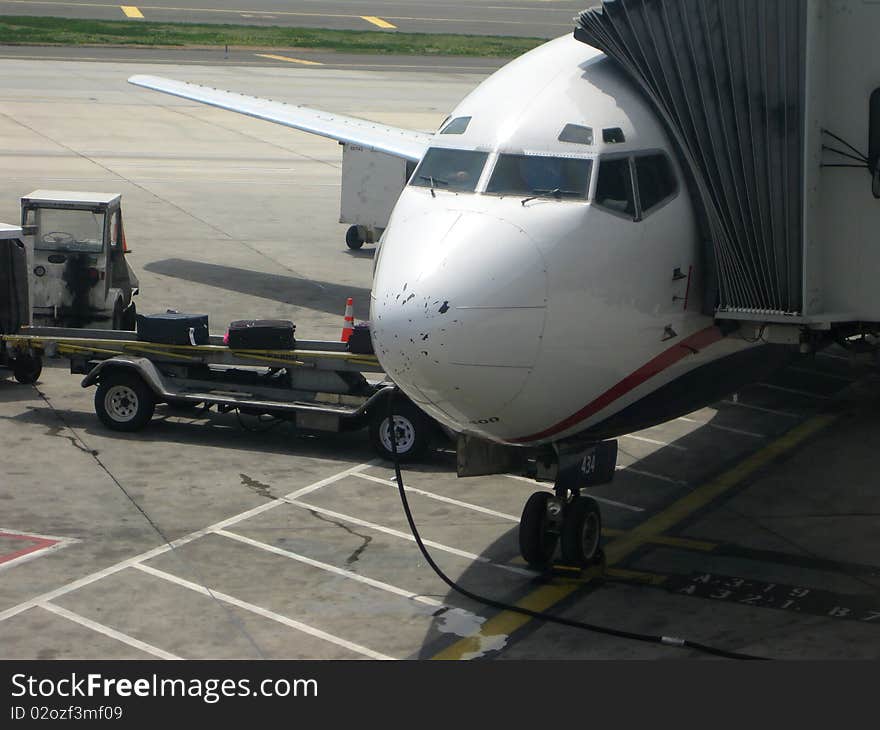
(405, 143)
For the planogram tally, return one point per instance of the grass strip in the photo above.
(28, 30)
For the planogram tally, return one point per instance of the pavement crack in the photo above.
(264, 490)
(367, 539)
(56, 432)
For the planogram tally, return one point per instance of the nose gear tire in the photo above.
(538, 535)
(581, 532)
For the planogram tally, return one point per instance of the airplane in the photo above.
(537, 289)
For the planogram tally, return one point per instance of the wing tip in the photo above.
(140, 79)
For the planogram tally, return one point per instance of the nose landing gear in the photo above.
(566, 518)
(547, 521)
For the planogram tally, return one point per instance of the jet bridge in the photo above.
(774, 108)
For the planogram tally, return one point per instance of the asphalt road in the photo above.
(235, 57)
(531, 18)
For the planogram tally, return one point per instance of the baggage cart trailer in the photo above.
(15, 307)
(317, 386)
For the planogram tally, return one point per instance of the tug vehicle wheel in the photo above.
(27, 369)
(353, 238)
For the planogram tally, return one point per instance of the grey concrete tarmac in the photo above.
(238, 57)
(236, 218)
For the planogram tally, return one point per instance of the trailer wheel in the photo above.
(411, 428)
(27, 369)
(124, 402)
(353, 238)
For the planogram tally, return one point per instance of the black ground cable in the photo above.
(540, 615)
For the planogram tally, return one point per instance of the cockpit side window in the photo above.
(456, 126)
(444, 169)
(656, 181)
(576, 133)
(539, 176)
(614, 188)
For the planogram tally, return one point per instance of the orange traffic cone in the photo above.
(348, 322)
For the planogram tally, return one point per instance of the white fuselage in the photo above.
(529, 317)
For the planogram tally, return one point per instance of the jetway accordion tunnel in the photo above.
(727, 78)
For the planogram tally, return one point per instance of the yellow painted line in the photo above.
(684, 543)
(506, 622)
(639, 575)
(289, 60)
(702, 496)
(649, 531)
(377, 21)
(131, 11)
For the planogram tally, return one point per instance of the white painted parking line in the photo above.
(40, 545)
(655, 442)
(847, 358)
(760, 409)
(410, 538)
(438, 497)
(329, 480)
(794, 391)
(107, 631)
(264, 612)
(652, 475)
(832, 376)
(122, 565)
(466, 622)
(387, 587)
(727, 429)
(604, 500)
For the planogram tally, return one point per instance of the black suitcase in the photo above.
(261, 334)
(360, 342)
(173, 328)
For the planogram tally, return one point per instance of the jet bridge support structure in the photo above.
(774, 108)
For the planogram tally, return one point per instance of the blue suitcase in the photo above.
(173, 328)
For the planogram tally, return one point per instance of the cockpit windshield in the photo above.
(68, 230)
(443, 169)
(541, 177)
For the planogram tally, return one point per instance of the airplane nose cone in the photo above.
(458, 308)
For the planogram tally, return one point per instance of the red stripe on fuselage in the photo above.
(688, 346)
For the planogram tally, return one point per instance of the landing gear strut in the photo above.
(567, 517)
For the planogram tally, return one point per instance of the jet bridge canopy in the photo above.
(727, 79)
